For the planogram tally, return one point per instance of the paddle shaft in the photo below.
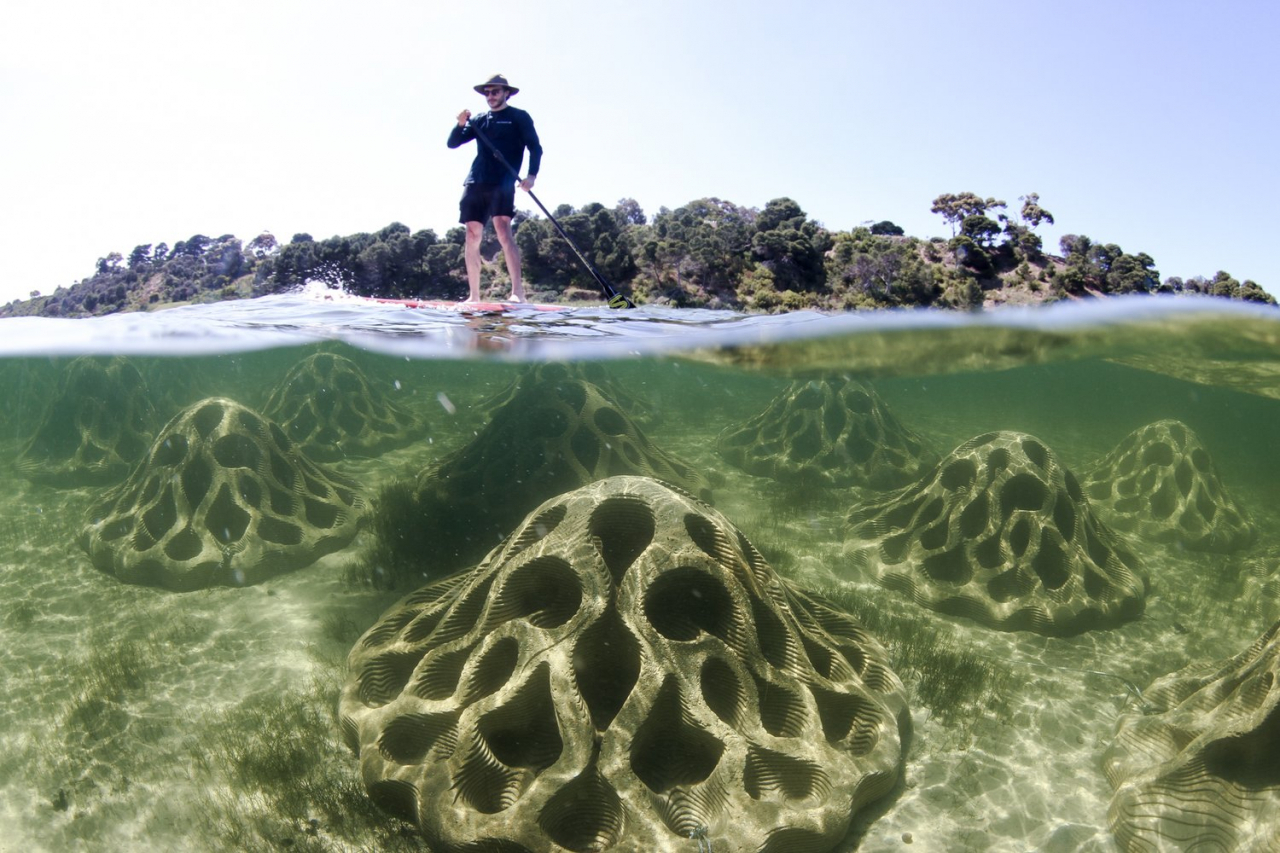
(616, 299)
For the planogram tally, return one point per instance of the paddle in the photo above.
(616, 299)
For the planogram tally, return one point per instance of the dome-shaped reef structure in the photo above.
(624, 673)
(830, 432)
(550, 438)
(224, 498)
(1200, 770)
(640, 410)
(98, 425)
(1001, 533)
(330, 410)
(1161, 485)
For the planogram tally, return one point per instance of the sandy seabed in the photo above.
(126, 711)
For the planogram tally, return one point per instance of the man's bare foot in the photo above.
(470, 300)
(517, 297)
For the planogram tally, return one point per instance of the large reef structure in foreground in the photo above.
(624, 673)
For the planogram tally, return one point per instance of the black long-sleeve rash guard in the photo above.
(511, 132)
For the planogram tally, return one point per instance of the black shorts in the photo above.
(481, 201)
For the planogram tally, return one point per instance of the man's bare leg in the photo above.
(510, 251)
(475, 230)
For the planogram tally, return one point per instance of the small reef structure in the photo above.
(99, 423)
(330, 410)
(223, 498)
(828, 432)
(1161, 485)
(551, 436)
(1000, 532)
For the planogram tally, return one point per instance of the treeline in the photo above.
(201, 269)
(709, 253)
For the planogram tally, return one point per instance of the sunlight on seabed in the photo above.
(137, 717)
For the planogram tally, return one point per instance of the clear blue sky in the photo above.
(1148, 124)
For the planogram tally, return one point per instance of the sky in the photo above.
(1151, 124)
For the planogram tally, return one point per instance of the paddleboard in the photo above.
(471, 307)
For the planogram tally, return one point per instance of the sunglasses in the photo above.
(494, 91)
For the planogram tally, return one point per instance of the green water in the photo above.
(137, 718)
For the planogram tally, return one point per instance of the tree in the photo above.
(140, 256)
(193, 246)
(1224, 284)
(1251, 291)
(1032, 213)
(110, 263)
(876, 270)
(885, 228)
(262, 246)
(599, 233)
(703, 246)
(1105, 267)
(629, 212)
(790, 246)
(980, 229)
(956, 207)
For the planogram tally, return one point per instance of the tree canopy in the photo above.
(709, 252)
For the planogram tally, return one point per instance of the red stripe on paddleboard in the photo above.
(485, 307)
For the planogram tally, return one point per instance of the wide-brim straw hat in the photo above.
(497, 80)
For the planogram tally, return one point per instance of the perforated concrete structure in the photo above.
(1260, 585)
(328, 407)
(625, 673)
(222, 498)
(831, 432)
(1000, 532)
(98, 425)
(638, 409)
(1200, 769)
(552, 437)
(1161, 485)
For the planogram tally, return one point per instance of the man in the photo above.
(490, 188)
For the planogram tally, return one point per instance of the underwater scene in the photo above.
(315, 576)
